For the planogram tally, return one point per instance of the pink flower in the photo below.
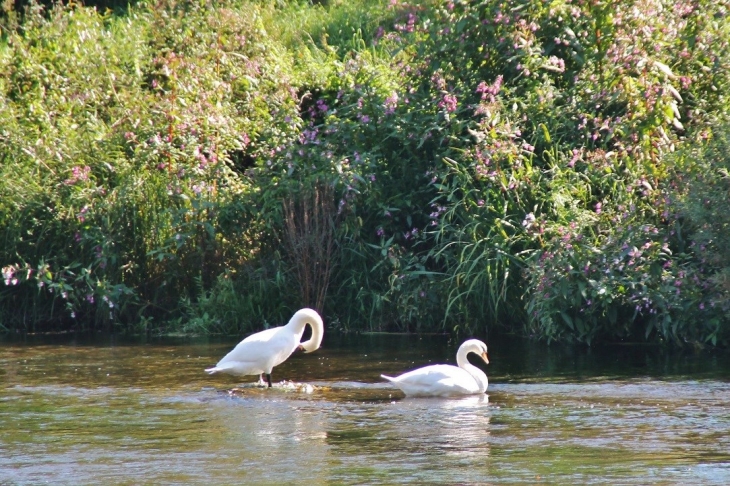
(490, 91)
(391, 102)
(556, 64)
(9, 275)
(449, 102)
(78, 174)
(528, 221)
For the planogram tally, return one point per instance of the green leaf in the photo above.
(567, 320)
(545, 132)
(582, 289)
(612, 314)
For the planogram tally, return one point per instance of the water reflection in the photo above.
(410, 440)
(89, 412)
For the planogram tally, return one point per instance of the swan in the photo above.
(260, 352)
(446, 380)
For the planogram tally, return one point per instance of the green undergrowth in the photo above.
(549, 168)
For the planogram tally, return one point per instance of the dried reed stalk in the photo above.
(309, 240)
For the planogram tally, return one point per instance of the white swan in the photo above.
(260, 352)
(446, 380)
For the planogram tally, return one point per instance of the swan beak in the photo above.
(485, 357)
(300, 348)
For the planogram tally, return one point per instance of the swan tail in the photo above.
(389, 378)
(212, 371)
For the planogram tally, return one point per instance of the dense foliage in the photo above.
(555, 168)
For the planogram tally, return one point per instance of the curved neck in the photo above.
(479, 376)
(308, 316)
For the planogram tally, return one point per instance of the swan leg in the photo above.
(268, 379)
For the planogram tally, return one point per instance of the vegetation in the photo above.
(554, 168)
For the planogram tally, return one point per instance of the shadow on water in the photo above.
(87, 410)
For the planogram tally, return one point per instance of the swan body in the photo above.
(446, 380)
(260, 352)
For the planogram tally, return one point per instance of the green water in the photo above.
(112, 411)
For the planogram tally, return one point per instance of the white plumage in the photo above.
(260, 352)
(446, 380)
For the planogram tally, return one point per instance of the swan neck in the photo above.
(461, 360)
(311, 317)
(479, 376)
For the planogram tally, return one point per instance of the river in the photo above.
(113, 410)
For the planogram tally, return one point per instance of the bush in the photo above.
(124, 141)
(447, 165)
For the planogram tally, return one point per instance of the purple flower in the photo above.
(449, 102)
(391, 102)
(490, 91)
(81, 216)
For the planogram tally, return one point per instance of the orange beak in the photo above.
(485, 357)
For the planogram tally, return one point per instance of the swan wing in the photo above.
(259, 352)
(436, 380)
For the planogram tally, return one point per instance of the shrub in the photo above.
(124, 139)
(463, 165)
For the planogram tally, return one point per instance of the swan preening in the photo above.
(260, 352)
(446, 380)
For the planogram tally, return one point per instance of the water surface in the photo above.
(108, 410)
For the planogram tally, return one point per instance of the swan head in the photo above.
(311, 317)
(474, 346)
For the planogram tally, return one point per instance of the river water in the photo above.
(109, 410)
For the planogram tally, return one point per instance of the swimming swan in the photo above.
(260, 352)
(446, 380)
